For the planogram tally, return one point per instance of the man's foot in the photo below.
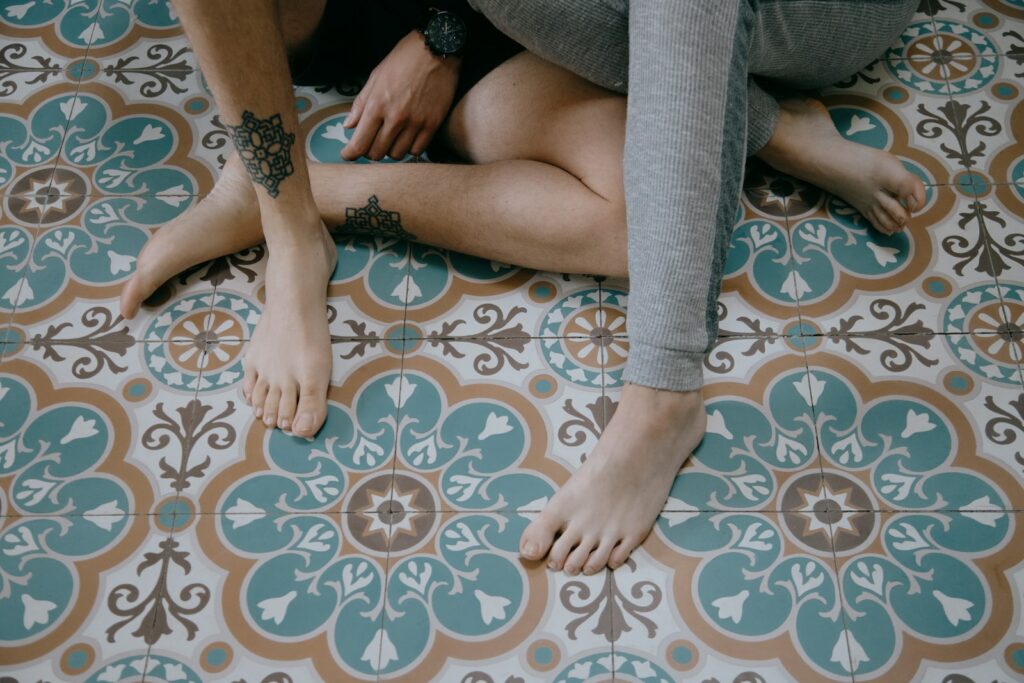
(807, 145)
(610, 504)
(288, 365)
(225, 221)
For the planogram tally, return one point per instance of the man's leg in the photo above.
(530, 128)
(241, 51)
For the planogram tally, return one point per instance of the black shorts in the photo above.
(354, 36)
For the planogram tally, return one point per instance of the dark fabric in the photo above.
(354, 36)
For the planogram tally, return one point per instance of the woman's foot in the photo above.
(225, 221)
(807, 145)
(608, 507)
(288, 364)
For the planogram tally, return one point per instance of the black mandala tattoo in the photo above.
(265, 149)
(373, 220)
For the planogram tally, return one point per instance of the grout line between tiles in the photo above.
(842, 601)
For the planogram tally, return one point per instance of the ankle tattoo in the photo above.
(375, 221)
(265, 149)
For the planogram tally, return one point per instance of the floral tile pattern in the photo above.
(852, 514)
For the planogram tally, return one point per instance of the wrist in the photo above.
(446, 62)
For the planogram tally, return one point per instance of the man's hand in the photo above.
(403, 102)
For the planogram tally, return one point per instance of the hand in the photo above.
(403, 103)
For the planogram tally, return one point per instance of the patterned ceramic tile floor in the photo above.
(853, 514)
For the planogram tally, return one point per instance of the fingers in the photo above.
(390, 129)
(403, 142)
(422, 140)
(363, 138)
(356, 111)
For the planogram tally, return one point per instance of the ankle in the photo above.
(647, 403)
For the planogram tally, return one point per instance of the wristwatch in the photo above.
(445, 33)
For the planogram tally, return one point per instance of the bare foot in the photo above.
(610, 504)
(807, 145)
(225, 221)
(288, 365)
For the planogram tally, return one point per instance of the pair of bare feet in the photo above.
(611, 503)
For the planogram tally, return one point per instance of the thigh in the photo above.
(528, 108)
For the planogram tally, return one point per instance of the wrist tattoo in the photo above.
(265, 149)
(373, 220)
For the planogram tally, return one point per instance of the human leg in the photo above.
(806, 46)
(530, 129)
(688, 78)
(591, 39)
(288, 359)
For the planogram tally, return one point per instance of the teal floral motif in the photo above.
(947, 55)
(81, 23)
(15, 247)
(474, 589)
(49, 456)
(972, 51)
(36, 141)
(307, 476)
(476, 443)
(559, 335)
(129, 154)
(303, 584)
(38, 579)
(432, 272)
(102, 251)
(908, 447)
(986, 351)
(640, 668)
(381, 265)
(922, 585)
(151, 667)
(762, 249)
(747, 447)
(205, 334)
(52, 454)
(749, 588)
(826, 248)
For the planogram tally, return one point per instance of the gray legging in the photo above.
(694, 71)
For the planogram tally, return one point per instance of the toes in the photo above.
(259, 396)
(579, 556)
(131, 297)
(286, 407)
(622, 552)
(882, 221)
(248, 381)
(539, 535)
(311, 410)
(911, 192)
(599, 557)
(561, 549)
(270, 407)
(891, 206)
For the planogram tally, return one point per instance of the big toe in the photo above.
(904, 185)
(311, 411)
(136, 290)
(539, 535)
(131, 298)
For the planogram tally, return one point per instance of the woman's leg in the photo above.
(803, 141)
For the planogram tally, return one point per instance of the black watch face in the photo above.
(447, 33)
